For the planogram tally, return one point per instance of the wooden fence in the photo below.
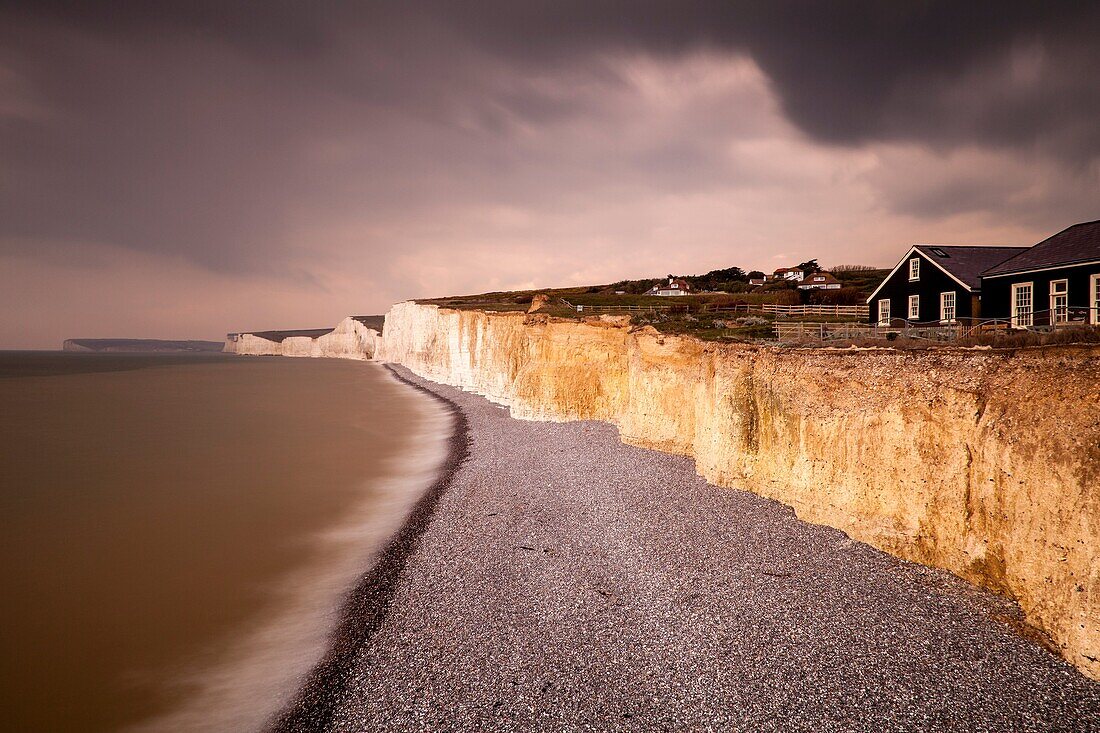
(847, 311)
(804, 331)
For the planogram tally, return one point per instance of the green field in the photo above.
(690, 314)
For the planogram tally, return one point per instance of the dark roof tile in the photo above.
(1078, 243)
(967, 262)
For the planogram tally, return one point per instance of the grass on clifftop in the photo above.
(686, 315)
(683, 315)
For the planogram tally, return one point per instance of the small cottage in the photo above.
(787, 273)
(936, 283)
(820, 281)
(674, 286)
(1053, 283)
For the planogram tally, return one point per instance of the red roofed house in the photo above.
(820, 281)
(787, 273)
(674, 286)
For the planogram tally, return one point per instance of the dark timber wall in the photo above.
(997, 291)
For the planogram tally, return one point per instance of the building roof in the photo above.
(963, 263)
(966, 263)
(1078, 243)
(827, 277)
(675, 284)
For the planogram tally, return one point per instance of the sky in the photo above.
(184, 169)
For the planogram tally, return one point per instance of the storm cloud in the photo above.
(345, 155)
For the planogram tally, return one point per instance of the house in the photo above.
(936, 283)
(674, 286)
(1056, 281)
(820, 281)
(757, 281)
(787, 273)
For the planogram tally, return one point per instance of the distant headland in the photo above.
(140, 345)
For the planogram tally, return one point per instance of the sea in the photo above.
(178, 531)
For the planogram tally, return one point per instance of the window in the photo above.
(947, 307)
(1094, 307)
(884, 312)
(914, 307)
(1021, 305)
(1059, 301)
(914, 269)
(939, 252)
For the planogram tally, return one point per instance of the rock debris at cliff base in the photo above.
(570, 582)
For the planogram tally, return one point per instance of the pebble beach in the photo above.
(556, 579)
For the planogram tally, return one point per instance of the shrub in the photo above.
(1022, 339)
(852, 268)
(1074, 335)
(844, 296)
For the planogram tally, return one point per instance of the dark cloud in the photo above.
(241, 135)
(1008, 73)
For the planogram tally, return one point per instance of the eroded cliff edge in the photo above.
(351, 339)
(983, 463)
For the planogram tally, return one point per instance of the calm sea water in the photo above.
(176, 531)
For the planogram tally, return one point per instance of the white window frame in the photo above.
(1059, 313)
(1094, 299)
(914, 269)
(914, 305)
(884, 313)
(1023, 319)
(943, 306)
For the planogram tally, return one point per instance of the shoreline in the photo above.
(368, 603)
(261, 669)
(567, 580)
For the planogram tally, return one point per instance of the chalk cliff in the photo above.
(984, 463)
(351, 339)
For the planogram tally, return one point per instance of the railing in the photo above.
(856, 311)
(1041, 321)
(1059, 317)
(779, 309)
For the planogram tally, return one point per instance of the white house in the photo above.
(674, 286)
(820, 281)
(787, 273)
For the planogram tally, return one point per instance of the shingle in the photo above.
(1078, 243)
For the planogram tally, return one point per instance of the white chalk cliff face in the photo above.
(349, 340)
(983, 463)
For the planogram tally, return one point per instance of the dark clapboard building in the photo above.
(1056, 281)
(936, 283)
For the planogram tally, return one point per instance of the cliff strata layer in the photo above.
(984, 463)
